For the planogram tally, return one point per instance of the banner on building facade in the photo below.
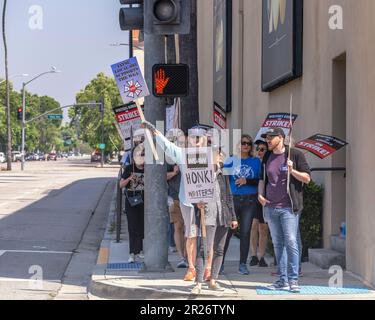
(282, 35)
(321, 145)
(279, 120)
(198, 175)
(220, 118)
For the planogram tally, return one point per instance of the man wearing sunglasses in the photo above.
(281, 193)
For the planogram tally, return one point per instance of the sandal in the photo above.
(196, 290)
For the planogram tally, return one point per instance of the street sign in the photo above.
(55, 116)
(102, 146)
(170, 80)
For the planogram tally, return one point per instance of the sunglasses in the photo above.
(244, 143)
(261, 149)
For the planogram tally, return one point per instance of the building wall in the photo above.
(314, 102)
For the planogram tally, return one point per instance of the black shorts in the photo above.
(259, 213)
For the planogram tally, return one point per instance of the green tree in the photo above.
(88, 118)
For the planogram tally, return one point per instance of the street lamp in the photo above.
(53, 70)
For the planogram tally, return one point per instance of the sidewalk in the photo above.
(110, 282)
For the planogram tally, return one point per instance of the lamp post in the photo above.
(53, 70)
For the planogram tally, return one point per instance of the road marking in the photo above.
(35, 251)
(3, 279)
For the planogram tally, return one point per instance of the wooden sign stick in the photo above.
(148, 134)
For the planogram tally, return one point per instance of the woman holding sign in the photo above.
(244, 173)
(219, 215)
(133, 182)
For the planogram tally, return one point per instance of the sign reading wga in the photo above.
(276, 13)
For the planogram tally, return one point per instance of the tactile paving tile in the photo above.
(125, 266)
(316, 290)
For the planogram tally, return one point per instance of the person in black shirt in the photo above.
(133, 182)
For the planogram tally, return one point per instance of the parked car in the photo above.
(42, 157)
(96, 156)
(16, 156)
(52, 156)
(2, 157)
(29, 157)
(36, 156)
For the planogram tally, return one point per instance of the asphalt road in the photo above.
(52, 218)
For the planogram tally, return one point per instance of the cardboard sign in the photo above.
(130, 81)
(198, 175)
(220, 119)
(129, 120)
(321, 145)
(279, 120)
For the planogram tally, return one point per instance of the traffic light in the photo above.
(170, 80)
(131, 17)
(167, 17)
(19, 113)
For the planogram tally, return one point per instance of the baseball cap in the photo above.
(273, 132)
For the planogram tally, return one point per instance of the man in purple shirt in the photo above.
(281, 195)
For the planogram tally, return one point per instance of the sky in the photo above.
(73, 35)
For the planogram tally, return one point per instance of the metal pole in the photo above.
(156, 211)
(102, 139)
(23, 127)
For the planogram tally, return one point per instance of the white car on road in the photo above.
(2, 157)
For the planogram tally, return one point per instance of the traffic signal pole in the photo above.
(156, 195)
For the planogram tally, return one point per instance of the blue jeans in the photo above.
(283, 224)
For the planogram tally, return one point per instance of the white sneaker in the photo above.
(140, 255)
(131, 258)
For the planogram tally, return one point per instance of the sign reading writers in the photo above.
(198, 175)
(279, 120)
(321, 145)
(130, 81)
(129, 120)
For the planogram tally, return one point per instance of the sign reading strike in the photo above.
(220, 120)
(279, 120)
(130, 81)
(129, 120)
(198, 175)
(321, 145)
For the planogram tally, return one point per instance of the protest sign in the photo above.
(321, 145)
(279, 120)
(129, 120)
(129, 79)
(198, 175)
(132, 86)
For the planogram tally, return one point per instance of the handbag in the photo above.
(135, 199)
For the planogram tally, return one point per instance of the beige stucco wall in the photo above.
(313, 100)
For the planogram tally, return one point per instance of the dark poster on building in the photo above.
(321, 145)
(223, 54)
(282, 35)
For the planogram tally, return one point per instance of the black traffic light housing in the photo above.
(170, 80)
(167, 17)
(131, 17)
(19, 113)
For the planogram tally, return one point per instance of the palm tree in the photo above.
(9, 142)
